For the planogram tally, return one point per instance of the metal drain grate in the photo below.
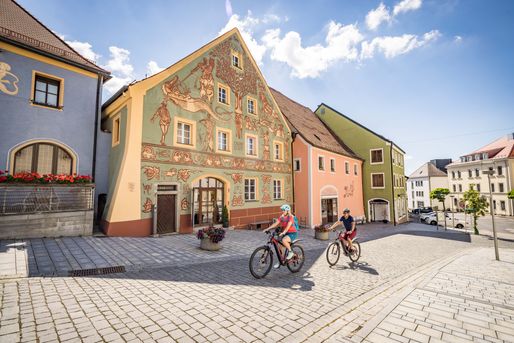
(97, 271)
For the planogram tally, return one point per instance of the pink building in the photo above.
(327, 174)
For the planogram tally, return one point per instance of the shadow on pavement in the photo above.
(359, 266)
(441, 233)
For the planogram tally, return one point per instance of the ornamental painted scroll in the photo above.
(8, 81)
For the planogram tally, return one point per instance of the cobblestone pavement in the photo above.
(220, 301)
(60, 256)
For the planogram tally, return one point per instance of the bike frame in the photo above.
(341, 240)
(275, 242)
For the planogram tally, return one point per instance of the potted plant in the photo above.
(224, 217)
(321, 232)
(210, 238)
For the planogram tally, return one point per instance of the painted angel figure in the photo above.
(4, 82)
(165, 120)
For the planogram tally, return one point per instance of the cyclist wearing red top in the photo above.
(286, 223)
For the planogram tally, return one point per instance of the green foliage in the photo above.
(476, 206)
(224, 216)
(439, 194)
(511, 194)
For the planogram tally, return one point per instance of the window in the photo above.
(46, 91)
(347, 167)
(500, 188)
(484, 156)
(251, 105)
(251, 145)
(477, 172)
(297, 164)
(278, 151)
(332, 165)
(277, 189)
(116, 131)
(377, 180)
(492, 187)
(355, 169)
(494, 204)
(502, 205)
(413, 194)
(458, 174)
(250, 189)
(454, 188)
(453, 175)
(478, 187)
(183, 133)
(376, 156)
(321, 163)
(236, 60)
(470, 174)
(223, 94)
(223, 140)
(500, 170)
(460, 188)
(43, 158)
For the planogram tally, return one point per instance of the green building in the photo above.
(383, 181)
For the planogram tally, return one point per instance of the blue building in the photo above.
(50, 99)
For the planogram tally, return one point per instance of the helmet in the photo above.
(346, 210)
(285, 207)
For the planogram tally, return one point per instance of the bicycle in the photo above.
(261, 260)
(334, 250)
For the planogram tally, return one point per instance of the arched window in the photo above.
(43, 158)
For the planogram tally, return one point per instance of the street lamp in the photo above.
(453, 213)
(490, 172)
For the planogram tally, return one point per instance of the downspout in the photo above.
(97, 117)
(293, 136)
(392, 181)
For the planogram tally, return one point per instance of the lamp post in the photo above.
(453, 213)
(490, 172)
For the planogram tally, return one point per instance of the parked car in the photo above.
(431, 219)
(422, 210)
(424, 216)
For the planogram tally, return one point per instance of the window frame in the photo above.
(321, 158)
(299, 160)
(60, 90)
(371, 155)
(355, 169)
(192, 134)
(347, 167)
(281, 151)
(256, 188)
(281, 197)
(116, 130)
(255, 107)
(383, 181)
(234, 53)
(228, 132)
(35, 156)
(256, 145)
(227, 94)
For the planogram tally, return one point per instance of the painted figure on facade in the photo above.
(266, 151)
(206, 66)
(208, 138)
(148, 153)
(164, 120)
(239, 125)
(8, 81)
(147, 206)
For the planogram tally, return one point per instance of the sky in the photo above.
(434, 76)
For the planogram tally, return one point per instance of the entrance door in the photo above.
(379, 210)
(328, 210)
(166, 213)
(208, 200)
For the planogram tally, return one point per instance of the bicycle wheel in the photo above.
(355, 254)
(296, 263)
(261, 262)
(333, 253)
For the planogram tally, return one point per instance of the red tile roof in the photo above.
(19, 27)
(309, 126)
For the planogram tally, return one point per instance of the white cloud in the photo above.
(392, 46)
(457, 39)
(377, 16)
(152, 68)
(85, 49)
(228, 8)
(246, 26)
(341, 45)
(120, 67)
(406, 5)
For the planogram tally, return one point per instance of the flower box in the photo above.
(211, 237)
(321, 232)
(207, 244)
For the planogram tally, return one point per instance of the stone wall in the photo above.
(76, 223)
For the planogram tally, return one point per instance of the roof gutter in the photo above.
(392, 182)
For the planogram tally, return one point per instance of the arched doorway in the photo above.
(378, 210)
(208, 201)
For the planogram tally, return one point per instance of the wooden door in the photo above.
(166, 213)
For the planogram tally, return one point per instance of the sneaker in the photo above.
(277, 265)
(290, 255)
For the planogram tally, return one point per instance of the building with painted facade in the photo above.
(466, 173)
(383, 173)
(423, 181)
(202, 134)
(327, 174)
(50, 99)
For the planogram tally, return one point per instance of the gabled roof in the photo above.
(309, 126)
(427, 170)
(19, 27)
(361, 126)
(501, 148)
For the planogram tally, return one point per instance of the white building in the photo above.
(467, 173)
(425, 179)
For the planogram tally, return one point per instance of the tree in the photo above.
(440, 194)
(511, 194)
(476, 206)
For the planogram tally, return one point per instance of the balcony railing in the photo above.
(25, 199)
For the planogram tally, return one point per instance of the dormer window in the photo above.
(477, 157)
(484, 156)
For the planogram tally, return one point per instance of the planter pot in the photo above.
(206, 244)
(322, 236)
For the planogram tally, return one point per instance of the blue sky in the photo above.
(434, 76)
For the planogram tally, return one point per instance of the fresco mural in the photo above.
(192, 93)
(8, 81)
